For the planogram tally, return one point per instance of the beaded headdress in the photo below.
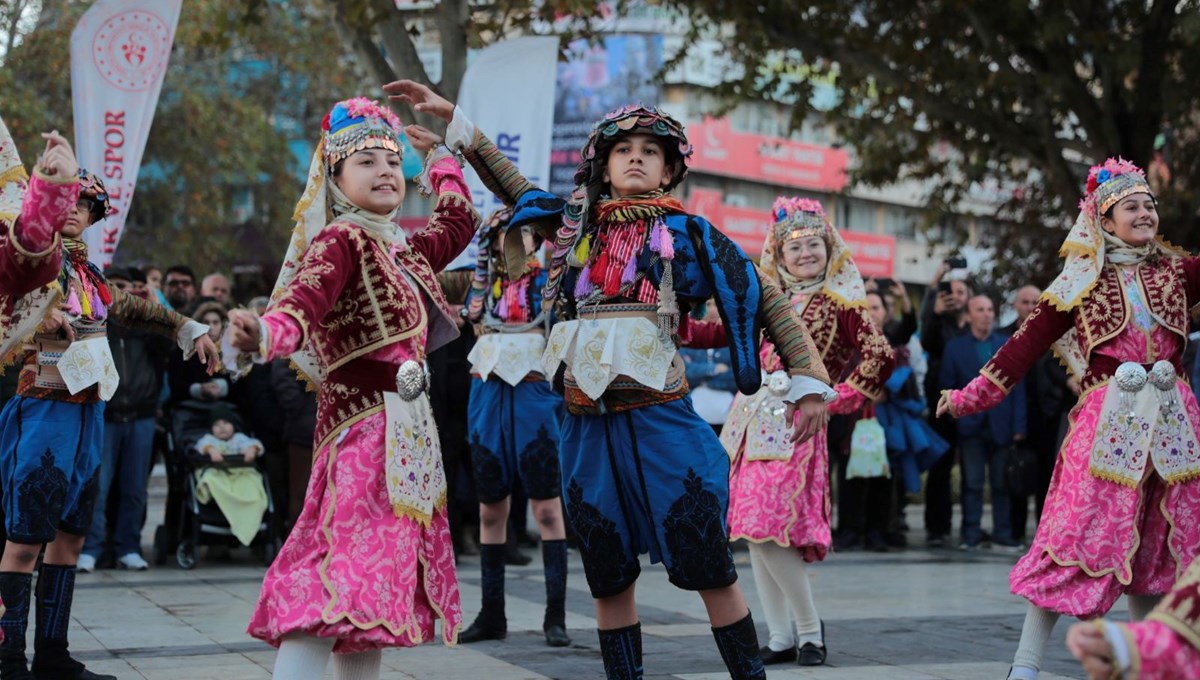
(794, 218)
(1085, 247)
(91, 189)
(631, 120)
(356, 124)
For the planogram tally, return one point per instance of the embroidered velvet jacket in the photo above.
(349, 298)
(1170, 286)
(840, 332)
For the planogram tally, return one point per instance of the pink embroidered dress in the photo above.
(356, 566)
(1122, 513)
(778, 491)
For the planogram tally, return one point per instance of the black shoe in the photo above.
(770, 656)
(811, 654)
(895, 539)
(15, 668)
(936, 541)
(483, 629)
(875, 542)
(66, 669)
(848, 540)
(556, 635)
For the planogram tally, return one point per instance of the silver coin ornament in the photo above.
(411, 380)
(1162, 375)
(1130, 377)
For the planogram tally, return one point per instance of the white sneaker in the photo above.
(86, 564)
(132, 561)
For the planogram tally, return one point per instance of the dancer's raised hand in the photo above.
(243, 330)
(421, 97)
(58, 160)
(421, 138)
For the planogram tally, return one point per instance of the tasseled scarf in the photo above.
(612, 273)
(87, 291)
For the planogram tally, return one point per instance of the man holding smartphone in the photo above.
(942, 320)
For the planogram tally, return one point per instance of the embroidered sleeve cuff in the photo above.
(802, 386)
(187, 335)
(980, 394)
(442, 173)
(1112, 632)
(460, 133)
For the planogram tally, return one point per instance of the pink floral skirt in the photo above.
(1098, 539)
(784, 501)
(351, 569)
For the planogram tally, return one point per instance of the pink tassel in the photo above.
(73, 305)
(630, 270)
(502, 307)
(666, 245)
(583, 284)
(655, 239)
(523, 294)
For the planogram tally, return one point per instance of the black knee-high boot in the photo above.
(15, 590)
(554, 566)
(491, 624)
(738, 644)
(621, 650)
(51, 658)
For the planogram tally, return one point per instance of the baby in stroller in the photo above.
(229, 477)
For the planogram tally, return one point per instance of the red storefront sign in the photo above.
(720, 150)
(875, 254)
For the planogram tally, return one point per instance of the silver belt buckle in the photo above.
(411, 380)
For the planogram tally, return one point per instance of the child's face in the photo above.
(222, 429)
(637, 164)
(372, 180)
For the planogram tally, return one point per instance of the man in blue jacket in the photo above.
(985, 439)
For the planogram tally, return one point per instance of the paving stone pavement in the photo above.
(912, 615)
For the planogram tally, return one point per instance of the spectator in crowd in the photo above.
(942, 320)
(1044, 395)
(217, 287)
(154, 281)
(256, 401)
(190, 381)
(984, 439)
(140, 358)
(299, 420)
(231, 480)
(709, 377)
(180, 283)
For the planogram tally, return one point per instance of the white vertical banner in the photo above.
(508, 93)
(119, 54)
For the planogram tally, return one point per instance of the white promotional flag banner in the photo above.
(119, 53)
(508, 92)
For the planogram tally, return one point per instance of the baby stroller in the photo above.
(188, 523)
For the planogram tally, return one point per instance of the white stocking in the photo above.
(360, 666)
(786, 568)
(1038, 624)
(774, 604)
(302, 657)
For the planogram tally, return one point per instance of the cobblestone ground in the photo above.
(903, 615)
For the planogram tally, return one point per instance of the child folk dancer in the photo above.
(641, 471)
(51, 432)
(1127, 480)
(779, 491)
(513, 420)
(357, 307)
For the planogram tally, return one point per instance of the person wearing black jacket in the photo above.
(140, 358)
(941, 321)
(300, 419)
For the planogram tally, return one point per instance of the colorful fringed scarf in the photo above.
(623, 228)
(86, 291)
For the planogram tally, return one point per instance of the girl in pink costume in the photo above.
(1122, 512)
(357, 306)
(779, 492)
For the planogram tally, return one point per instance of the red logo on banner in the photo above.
(131, 49)
(721, 150)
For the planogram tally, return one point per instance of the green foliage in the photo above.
(960, 92)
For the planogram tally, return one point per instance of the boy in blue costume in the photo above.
(641, 471)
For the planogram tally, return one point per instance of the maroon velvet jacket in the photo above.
(1171, 287)
(349, 299)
